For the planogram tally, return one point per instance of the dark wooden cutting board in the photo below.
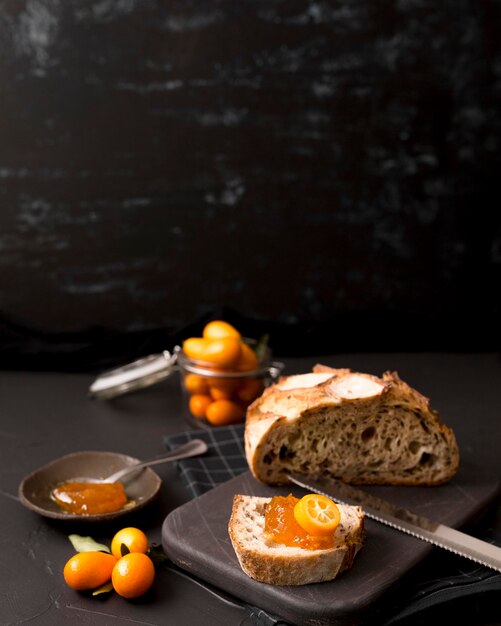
(195, 537)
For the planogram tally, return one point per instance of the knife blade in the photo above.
(406, 521)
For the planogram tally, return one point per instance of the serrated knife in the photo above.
(397, 517)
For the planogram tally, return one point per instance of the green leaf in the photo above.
(106, 588)
(87, 544)
(261, 346)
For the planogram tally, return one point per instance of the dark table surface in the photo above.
(46, 415)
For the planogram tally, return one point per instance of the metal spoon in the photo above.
(191, 448)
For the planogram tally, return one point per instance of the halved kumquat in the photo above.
(317, 514)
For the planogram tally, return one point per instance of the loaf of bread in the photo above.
(355, 427)
(277, 564)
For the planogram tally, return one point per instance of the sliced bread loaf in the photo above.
(276, 564)
(352, 426)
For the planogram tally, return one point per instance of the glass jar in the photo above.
(213, 396)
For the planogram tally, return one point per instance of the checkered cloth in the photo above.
(224, 459)
(454, 579)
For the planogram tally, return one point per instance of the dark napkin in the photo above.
(224, 459)
(456, 584)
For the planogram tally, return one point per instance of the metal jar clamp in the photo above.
(152, 369)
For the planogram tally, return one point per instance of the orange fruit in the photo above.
(224, 383)
(217, 329)
(250, 390)
(195, 347)
(223, 352)
(88, 570)
(248, 359)
(133, 539)
(281, 525)
(317, 514)
(198, 405)
(194, 383)
(222, 412)
(219, 393)
(133, 575)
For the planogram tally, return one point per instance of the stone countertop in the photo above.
(46, 415)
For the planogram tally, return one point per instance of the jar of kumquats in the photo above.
(221, 372)
(217, 396)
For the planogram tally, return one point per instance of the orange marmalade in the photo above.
(281, 526)
(90, 498)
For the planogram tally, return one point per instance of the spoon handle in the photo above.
(191, 448)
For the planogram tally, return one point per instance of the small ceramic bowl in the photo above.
(35, 489)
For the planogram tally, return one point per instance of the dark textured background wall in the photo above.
(328, 166)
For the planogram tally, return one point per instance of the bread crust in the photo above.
(357, 427)
(272, 563)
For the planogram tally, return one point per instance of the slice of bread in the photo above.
(269, 562)
(355, 427)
